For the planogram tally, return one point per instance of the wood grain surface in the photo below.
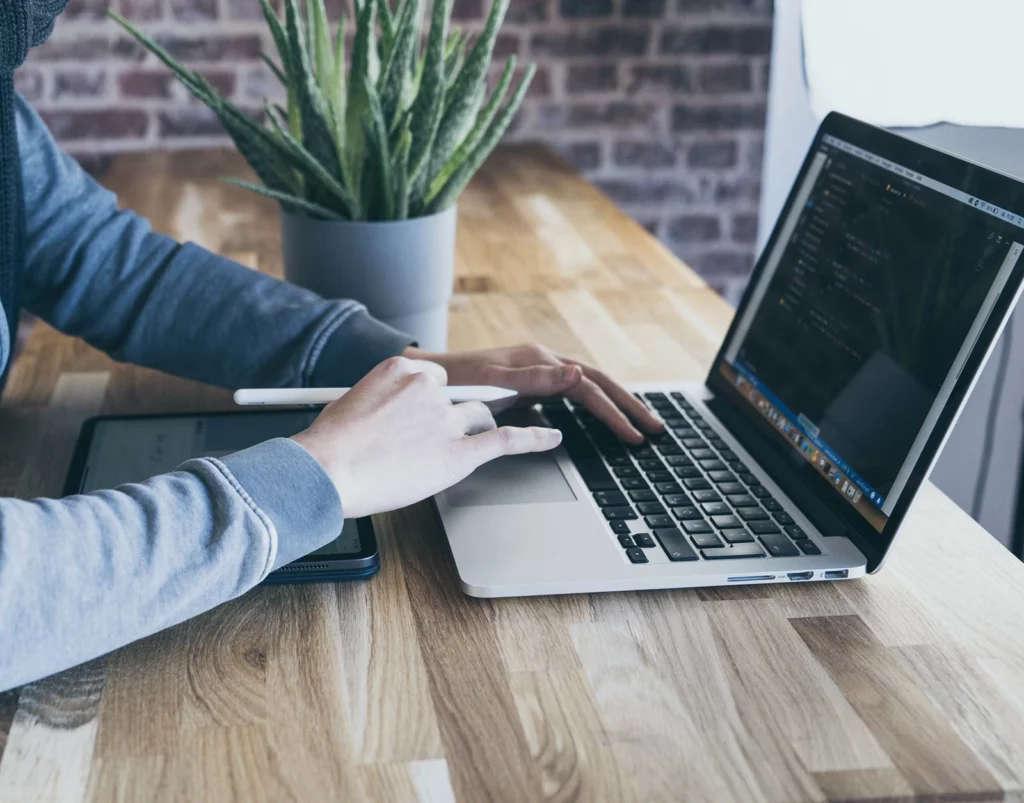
(904, 686)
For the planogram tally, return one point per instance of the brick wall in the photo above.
(660, 102)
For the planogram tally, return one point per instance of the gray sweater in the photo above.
(84, 575)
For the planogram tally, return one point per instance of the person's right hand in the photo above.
(395, 439)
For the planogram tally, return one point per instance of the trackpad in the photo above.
(526, 479)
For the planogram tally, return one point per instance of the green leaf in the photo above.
(387, 27)
(465, 95)
(286, 199)
(429, 103)
(356, 108)
(457, 183)
(378, 148)
(277, 71)
(401, 173)
(396, 70)
(483, 122)
(454, 56)
(323, 52)
(279, 36)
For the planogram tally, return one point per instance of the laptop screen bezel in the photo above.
(800, 480)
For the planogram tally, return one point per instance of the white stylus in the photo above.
(299, 396)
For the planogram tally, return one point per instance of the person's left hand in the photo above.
(535, 372)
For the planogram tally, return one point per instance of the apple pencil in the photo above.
(302, 396)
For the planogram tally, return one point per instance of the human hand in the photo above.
(536, 372)
(395, 439)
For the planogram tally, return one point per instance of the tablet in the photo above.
(113, 450)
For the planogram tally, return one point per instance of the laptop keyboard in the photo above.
(684, 492)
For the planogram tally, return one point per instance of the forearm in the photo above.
(82, 576)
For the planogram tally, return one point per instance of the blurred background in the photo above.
(659, 102)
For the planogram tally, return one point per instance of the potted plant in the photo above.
(372, 152)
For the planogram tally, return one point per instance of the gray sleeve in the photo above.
(84, 575)
(102, 274)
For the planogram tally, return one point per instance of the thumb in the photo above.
(539, 380)
(503, 441)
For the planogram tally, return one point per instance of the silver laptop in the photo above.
(869, 316)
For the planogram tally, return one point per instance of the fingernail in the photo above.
(555, 436)
(563, 373)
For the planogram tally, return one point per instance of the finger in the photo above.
(432, 369)
(596, 400)
(475, 417)
(513, 440)
(537, 380)
(398, 368)
(637, 411)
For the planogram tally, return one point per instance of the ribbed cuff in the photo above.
(353, 349)
(295, 493)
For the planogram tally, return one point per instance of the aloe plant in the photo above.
(396, 131)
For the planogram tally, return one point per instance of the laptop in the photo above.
(867, 320)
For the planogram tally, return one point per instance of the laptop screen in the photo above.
(868, 306)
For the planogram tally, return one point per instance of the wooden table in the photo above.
(905, 685)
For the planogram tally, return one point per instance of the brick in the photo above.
(694, 229)
(211, 48)
(89, 48)
(755, 7)
(651, 9)
(722, 263)
(29, 83)
(749, 40)
(611, 115)
(715, 153)
(540, 87)
(86, 10)
(721, 79)
(141, 10)
(581, 9)
(507, 44)
(741, 190)
(755, 155)
(592, 78)
(145, 84)
(718, 117)
(581, 155)
(743, 228)
(661, 78)
(605, 41)
(520, 11)
(69, 125)
(467, 10)
(246, 9)
(79, 84)
(644, 153)
(191, 121)
(635, 191)
(223, 81)
(193, 10)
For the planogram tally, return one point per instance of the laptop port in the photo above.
(837, 574)
(800, 575)
(751, 578)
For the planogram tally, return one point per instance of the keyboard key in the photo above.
(651, 508)
(636, 555)
(731, 488)
(644, 540)
(694, 443)
(694, 415)
(721, 478)
(675, 545)
(725, 522)
(677, 500)
(763, 527)
(660, 439)
(687, 472)
(735, 536)
(624, 513)
(717, 442)
(626, 471)
(794, 532)
(660, 476)
(651, 465)
(644, 453)
(610, 498)
(705, 496)
(782, 517)
(716, 508)
(771, 505)
(712, 465)
(703, 454)
(684, 431)
(662, 520)
(729, 456)
(619, 527)
(738, 551)
(740, 500)
(635, 484)
(751, 513)
(704, 427)
(646, 495)
(670, 449)
(668, 488)
(686, 513)
(808, 547)
(779, 546)
(626, 541)
(760, 491)
(749, 478)
(706, 540)
(696, 527)
(697, 484)
(679, 460)
(618, 459)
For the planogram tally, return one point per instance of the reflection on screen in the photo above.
(868, 310)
